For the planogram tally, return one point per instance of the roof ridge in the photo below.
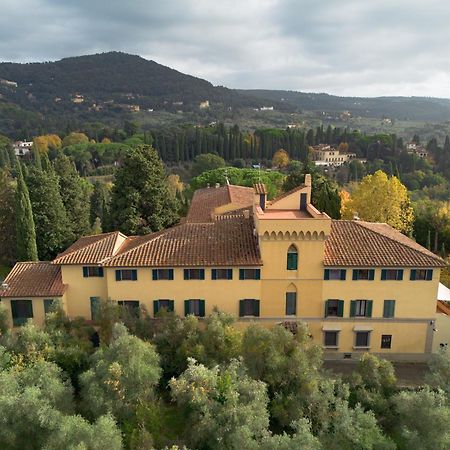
(425, 252)
(103, 236)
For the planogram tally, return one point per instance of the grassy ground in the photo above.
(3, 272)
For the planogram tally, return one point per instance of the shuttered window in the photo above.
(291, 303)
(160, 304)
(194, 274)
(221, 274)
(195, 307)
(392, 274)
(21, 311)
(363, 274)
(48, 305)
(362, 339)
(330, 338)
(162, 274)
(292, 258)
(334, 308)
(92, 271)
(132, 306)
(361, 308)
(389, 308)
(249, 307)
(334, 274)
(249, 274)
(126, 275)
(421, 274)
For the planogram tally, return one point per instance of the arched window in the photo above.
(291, 300)
(292, 258)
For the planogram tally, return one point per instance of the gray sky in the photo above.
(344, 47)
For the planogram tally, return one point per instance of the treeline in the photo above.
(170, 383)
(45, 205)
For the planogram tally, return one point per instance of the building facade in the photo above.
(358, 286)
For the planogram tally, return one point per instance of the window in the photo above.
(132, 306)
(162, 274)
(330, 338)
(363, 274)
(334, 308)
(361, 308)
(92, 271)
(292, 258)
(392, 274)
(221, 274)
(386, 340)
(161, 304)
(248, 307)
(291, 303)
(126, 275)
(195, 307)
(48, 305)
(362, 339)
(249, 274)
(95, 308)
(334, 274)
(389, 308)
(194, 274)
(421, 274)
(21, 310)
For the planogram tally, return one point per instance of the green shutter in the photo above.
(170, 274)
(118, 275)
(202, 274)
(213, 274)
(155, 307)
(326, 308)
(389, 308)
(371, 274)
(230, 274)
(258, 274)
(369, 308)
(171, 305)
(100, 272)
(326, 274)
(352, 308)
(429, 274)
(413, 274)
(292, 261)
(154, 274)
(94, 308)
(186, 307)
(256, 308)
(186, 274)
(383, 274)
(400, 274)
(134, 274)
(355, 274)
(241, 308)
(340, 308)
(343, 274)
(241, 274)
(85, 272)
(202, 308)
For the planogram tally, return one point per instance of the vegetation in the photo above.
(150, 386)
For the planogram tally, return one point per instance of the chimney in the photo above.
(260, 194)
(308, 182)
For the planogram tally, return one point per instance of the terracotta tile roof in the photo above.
(260, 188)
(90, 249)
(442, 307)
(206, 200)
(34, 279)
(365, 244)
(228, 241)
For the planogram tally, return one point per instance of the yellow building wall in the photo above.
(38, 307)
(442, 333)
(80, 289)
(223, 294)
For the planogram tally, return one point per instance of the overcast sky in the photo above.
(343, 47)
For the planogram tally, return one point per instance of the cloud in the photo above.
(345, 47)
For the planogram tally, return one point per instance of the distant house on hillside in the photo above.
(204, 104)
(416, 149)
(8, 83)
(327, 156)
(21, 148)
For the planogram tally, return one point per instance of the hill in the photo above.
(400, 108)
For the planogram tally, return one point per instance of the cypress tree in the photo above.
(100, 202)
(141, 202)
(53, 229)
(73, 195)
(25, 228)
